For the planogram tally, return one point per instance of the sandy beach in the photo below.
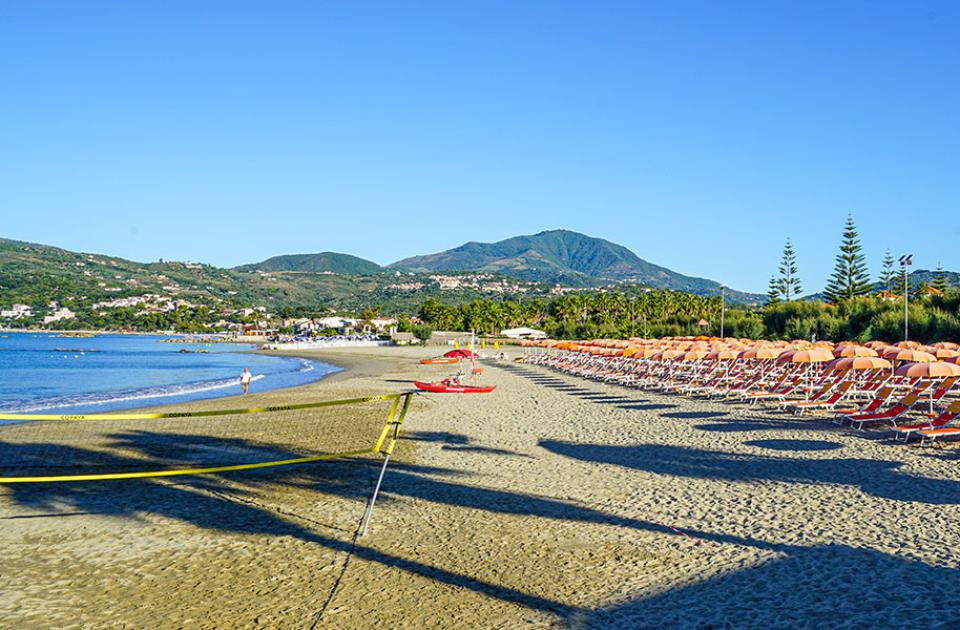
(554, 502)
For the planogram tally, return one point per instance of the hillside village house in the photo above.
(17, 311)
(58, 315)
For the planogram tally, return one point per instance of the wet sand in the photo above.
(554, 502)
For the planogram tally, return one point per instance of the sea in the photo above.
(44, 371)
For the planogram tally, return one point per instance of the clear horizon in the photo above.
(699, 137)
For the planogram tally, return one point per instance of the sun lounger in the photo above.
(799, 406)
(870, 407)
(898, 410)
(940, 422)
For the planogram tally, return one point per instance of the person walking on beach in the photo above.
(245, 379)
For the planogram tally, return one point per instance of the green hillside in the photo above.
(323, 262)
(562, 256)
(35, 275)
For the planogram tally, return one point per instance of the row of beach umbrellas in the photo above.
(910, 358)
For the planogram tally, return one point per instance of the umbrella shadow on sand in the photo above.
(457, 442)
(876, 477)
(820, 586)
(229, 503)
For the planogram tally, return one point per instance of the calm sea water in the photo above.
(110, 372)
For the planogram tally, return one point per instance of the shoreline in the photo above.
(341, 368)
(349, 366)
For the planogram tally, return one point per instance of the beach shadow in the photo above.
(207, 503)
(694, 415)
(485, 450)
(796, 445)
(435, 436)
(648, 406)
(878, 478)
(457, 442)
(745, 426)
(811, 586)
(606, 398)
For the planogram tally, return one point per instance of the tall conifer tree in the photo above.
(888, 276)
(789, 281)
(850, 277)
(773, 292)
(939, 279)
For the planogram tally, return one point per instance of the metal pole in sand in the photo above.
(373, 497)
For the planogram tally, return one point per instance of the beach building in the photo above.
(338, 323)
(523, 333)
(383, 323)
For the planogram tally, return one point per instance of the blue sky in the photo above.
(699, 134)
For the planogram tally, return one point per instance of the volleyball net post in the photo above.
(394, 422)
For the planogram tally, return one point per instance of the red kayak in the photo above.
(439, 361)
(450, 388)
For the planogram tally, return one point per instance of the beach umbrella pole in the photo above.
(368, 513)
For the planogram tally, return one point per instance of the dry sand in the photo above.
(554, 502)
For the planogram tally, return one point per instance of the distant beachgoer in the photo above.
(245, 379)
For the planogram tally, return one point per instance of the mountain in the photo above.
(331, 262)
(951, 278)
(562, 256)
(35, 274)
(918, 277)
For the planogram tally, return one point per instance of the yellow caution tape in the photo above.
(394, 420)
(195, 414)
(397, 424)
(182, 471)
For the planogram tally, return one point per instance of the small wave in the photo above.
(109, 398)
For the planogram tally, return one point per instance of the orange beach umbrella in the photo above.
(940, 353)
(908, 355)
(854, 351)
(938, 369)
(947, 345)
(844, 364)
(690, 355)
(813, 355)
(723, 355)
(760, 354)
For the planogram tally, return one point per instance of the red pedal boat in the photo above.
(450, 388)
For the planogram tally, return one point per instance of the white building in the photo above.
(59, 315)
(523, 333)
(383, 323)
(340, 323)
(17, 311)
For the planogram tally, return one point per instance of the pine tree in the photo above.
(888, 275)
(939, 279)
(904, 281)
(789, 282)
(773, 292)
(850, 277)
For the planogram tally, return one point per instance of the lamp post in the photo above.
(722, 308)
(905, 261)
